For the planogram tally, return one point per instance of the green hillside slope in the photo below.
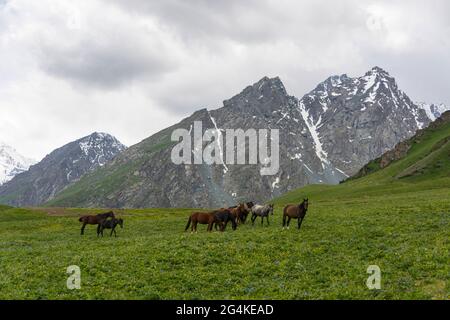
(426, 155)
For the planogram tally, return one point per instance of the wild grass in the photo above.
(406, 234)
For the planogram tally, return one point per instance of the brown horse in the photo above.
(202, 218)
(295, 212)
(240, 212)
(95, 219)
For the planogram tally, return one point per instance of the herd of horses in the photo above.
(217, 219)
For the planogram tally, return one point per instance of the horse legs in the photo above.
(82, 228)
(253, 218)
(289, 220)
(268, 220)
(300, 220)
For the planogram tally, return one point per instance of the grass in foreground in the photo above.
(405, 233)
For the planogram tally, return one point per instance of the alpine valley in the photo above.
(326, 136)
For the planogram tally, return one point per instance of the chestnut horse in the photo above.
(240, 212)
(295, 212)
(95, 219)
(202, 218)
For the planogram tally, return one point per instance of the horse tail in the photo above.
(188, 224)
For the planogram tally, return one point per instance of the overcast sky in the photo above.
(133, 67)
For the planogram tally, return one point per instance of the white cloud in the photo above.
(131, 68)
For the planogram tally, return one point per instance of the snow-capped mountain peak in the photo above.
(12, 163)
(359, 115)
(100, 147)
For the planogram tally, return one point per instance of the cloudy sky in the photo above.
(133, 67)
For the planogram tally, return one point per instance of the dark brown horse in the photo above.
(95, 219)
(202, 218)
(295, 212)
(109, 224)
(223, 216)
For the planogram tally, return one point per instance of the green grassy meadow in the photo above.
(406, 234)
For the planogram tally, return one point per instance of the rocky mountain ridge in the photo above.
(325, 137)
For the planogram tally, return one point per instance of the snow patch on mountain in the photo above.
(219, 145)
(433, 111)
(321, 154)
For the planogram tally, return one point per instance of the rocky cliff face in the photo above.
(59, 169)
(358, 119)
(325, 136)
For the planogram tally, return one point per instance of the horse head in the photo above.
(271, 208)
(243, 208)
(305, 203)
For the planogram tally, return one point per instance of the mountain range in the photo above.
(326, 136)
(59, 169)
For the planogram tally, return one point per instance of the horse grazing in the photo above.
(202, 218)
(223, 216)
(240, 212)
(95, 219)
(261, 211)
(295, 212)
(110, 224)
